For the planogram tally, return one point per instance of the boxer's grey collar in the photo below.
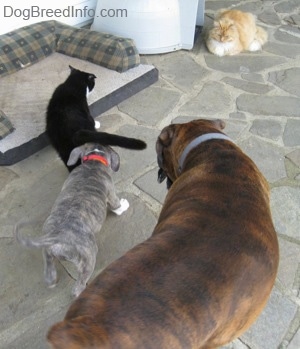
(195, 142)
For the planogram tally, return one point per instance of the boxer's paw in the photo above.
(124, 206)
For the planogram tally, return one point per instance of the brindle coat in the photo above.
(69, 232)
(206, 272)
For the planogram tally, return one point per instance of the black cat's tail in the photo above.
(87, 136)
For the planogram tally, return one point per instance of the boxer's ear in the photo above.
(159, 152)
(164, 140)
(219, 124)
(166, 135)
(161, 176)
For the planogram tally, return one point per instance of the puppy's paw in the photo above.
(97, 124)
(52, 285)
(124, 206)
(51, 277)
(77, 289)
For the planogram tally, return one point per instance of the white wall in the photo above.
(19, 13)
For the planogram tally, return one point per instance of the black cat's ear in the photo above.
(72, 69)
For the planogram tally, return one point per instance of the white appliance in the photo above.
(156, 26)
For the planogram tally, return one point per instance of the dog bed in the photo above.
(35, 59)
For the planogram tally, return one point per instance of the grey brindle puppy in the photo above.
(78, 214)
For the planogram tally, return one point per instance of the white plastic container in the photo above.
(156, 26)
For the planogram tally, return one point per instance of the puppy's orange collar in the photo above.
(95, 157)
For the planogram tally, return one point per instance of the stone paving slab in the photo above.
(287, 79)
(250, 64)
(287, 34)
(257, 94)
(247, 86)
(264, 155)
(289, 271)
(211, 100)
(295, 157)
(287, 106)
(152, 105)
(148, 184)
(292, 132)
(184, 80)
(278, 314)
(295, 343)
(271, 129)
(284, 204)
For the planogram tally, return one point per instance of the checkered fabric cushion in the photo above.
(107, 50)
(6, 126)
(25, 46)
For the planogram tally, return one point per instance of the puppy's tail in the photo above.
(39, 242)
(86, 136)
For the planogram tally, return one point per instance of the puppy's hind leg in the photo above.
(116, 205)
(85, 270)
(124, 204)
(49, 268)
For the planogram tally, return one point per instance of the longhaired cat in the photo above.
(235, 31)
(69, 123)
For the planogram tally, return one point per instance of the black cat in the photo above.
(69, 123)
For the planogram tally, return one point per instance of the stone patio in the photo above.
(257, 94)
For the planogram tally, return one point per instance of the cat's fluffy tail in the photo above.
(86, 136)
(261, 35)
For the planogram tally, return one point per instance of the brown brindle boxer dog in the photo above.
(206, 272)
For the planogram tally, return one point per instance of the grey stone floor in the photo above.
(258, 95)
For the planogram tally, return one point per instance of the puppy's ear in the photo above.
(75, 155)
(114, 160)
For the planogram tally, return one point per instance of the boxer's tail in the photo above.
(74, 334)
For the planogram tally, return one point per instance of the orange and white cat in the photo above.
(235, 31)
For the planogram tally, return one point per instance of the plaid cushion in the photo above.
(107, 50)
(6, 126)
(25, 46)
